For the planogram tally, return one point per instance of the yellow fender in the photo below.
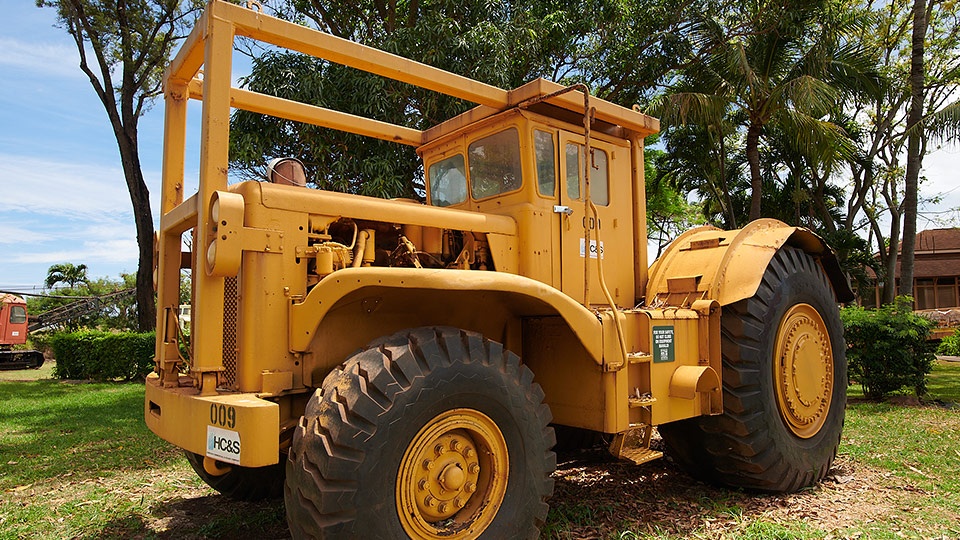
(526, 297)
(727, 266)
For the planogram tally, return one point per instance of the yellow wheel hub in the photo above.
(803, 370)
(453, 476)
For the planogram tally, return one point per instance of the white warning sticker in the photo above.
(593, 249)
(223, 444)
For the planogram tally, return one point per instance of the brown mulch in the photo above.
(598, 497)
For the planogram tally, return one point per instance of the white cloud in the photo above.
(51, 59)
(15, 234)
(72, 190)
(112, 251)
(941, 171)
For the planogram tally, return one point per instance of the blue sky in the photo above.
(62, 193)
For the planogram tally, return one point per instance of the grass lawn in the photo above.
(76, 461)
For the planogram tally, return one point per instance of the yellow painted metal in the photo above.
(214, 467)
(727, 265)
(207, 316)
(639, 215)
(174, 145)
(306, 316)
(279, 328)
(190, 56)
(611, 231)
(453, 476)
(803, 370)
(274, 383)
(634, 445)
(185, 418)
(688, 381)
(336, 205)
(317, 116)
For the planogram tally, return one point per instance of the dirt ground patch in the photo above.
(597, 497)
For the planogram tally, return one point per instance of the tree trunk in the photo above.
(753, 157)
(914, 156)
(143, 217)
(890, 282)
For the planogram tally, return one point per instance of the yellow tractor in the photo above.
(398, 369)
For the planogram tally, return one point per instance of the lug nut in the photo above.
(428, 464)
(455, 445)
(474, 468)
(442, 508)
(470, 487)
(469, 453)
(438, 450)
(429, 501)
(458, 502)
(422, 484)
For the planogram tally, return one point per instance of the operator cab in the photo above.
(529, 165)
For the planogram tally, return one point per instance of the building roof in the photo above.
(936, 254)
(938, 241)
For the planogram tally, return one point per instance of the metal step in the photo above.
(640, 456)
(641, 402)
(639, 357)
(634, 445)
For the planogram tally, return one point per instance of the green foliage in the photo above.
(68, 273)
(103, 356)
(709, 162)
(668, 211)
(113, 314)
(855, 256)
(504, 44)
(774, 72)
(888, 348)
(950, 345)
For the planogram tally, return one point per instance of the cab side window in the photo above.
(448, 181)
(599, 173)
(599, 177)
(495, 164)
(573, 171)
(18, 315)
(546, 162)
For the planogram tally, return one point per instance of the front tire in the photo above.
(429, 433)
(784, 386)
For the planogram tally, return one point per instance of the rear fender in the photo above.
(727, 266)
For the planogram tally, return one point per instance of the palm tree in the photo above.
(67, 273)
(789, 69)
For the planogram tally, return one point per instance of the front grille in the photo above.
(230, 333)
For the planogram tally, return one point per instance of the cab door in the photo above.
(611, 230)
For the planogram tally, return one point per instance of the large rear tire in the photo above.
(242, 483)
(784, 386)
(429, 433)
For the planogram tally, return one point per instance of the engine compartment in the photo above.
(351, 243)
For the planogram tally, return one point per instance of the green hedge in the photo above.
(888, 349)
(950, 345)
(91, 354)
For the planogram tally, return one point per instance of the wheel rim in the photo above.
(803, 370)
(453, 476)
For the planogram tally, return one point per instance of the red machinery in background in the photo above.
(13, 331)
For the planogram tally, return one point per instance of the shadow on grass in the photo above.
(211, 516)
